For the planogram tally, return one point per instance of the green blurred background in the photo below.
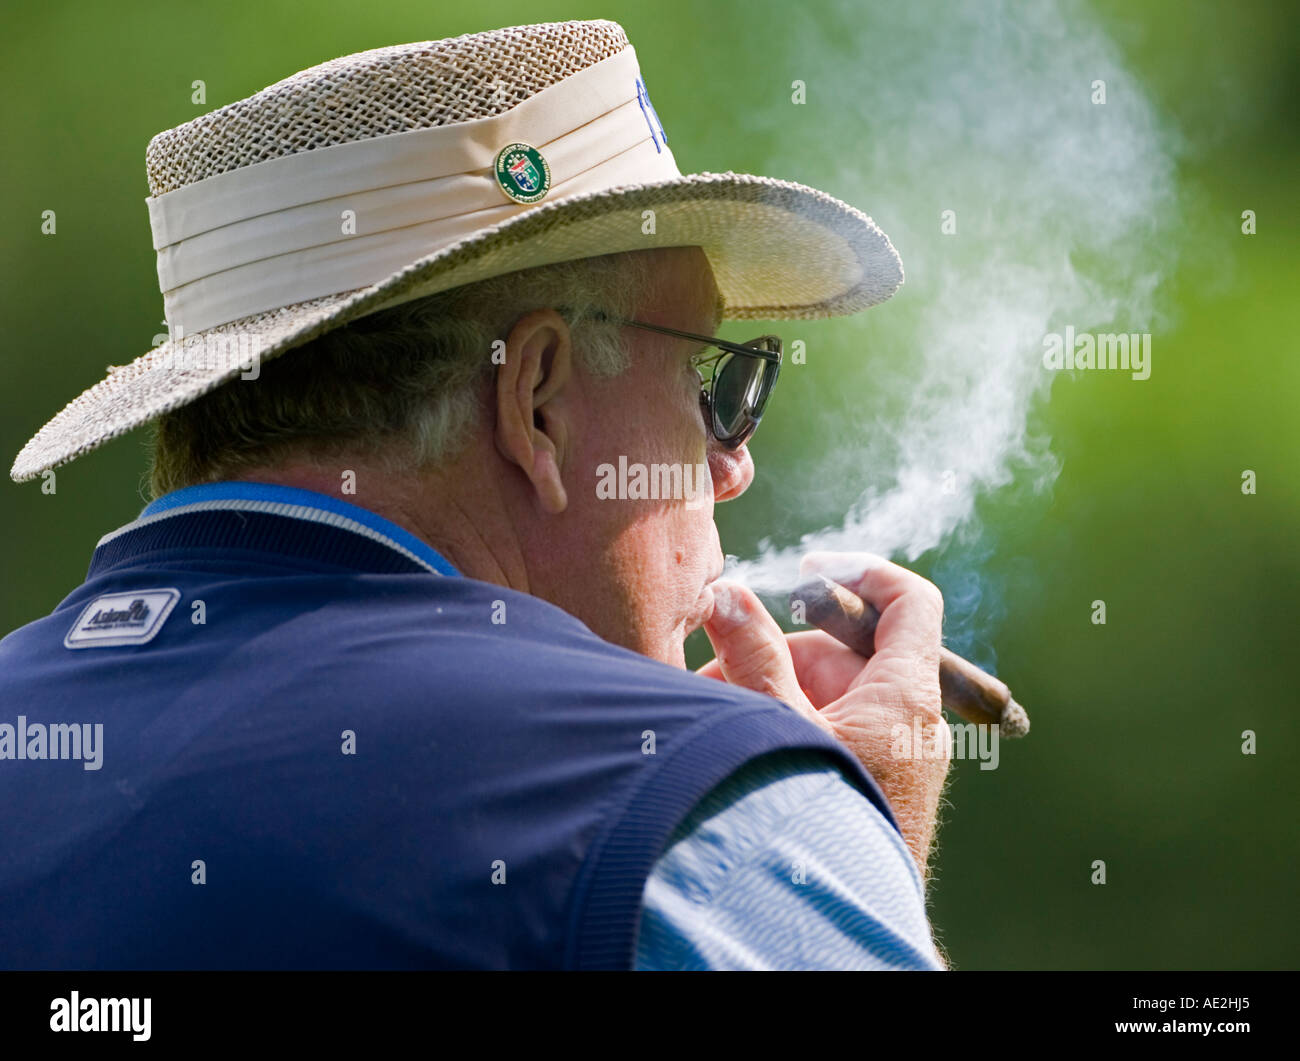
(1135, 756)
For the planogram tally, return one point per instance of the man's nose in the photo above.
(732, 471)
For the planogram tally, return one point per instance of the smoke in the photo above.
(1060, 206)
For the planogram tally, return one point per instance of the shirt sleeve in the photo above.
(785, 865)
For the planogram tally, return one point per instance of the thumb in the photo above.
(751, 648)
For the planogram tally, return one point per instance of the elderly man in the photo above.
(383, 677)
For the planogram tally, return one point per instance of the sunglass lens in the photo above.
(737, 393)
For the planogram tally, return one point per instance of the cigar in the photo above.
(966, 690)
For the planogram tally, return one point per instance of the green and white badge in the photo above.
(522, 173)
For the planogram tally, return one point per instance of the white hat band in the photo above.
(272, 234)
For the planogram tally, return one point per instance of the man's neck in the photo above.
(478, 542)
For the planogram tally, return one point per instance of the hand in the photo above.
(861, 702)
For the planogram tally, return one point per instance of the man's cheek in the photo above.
(697, 482)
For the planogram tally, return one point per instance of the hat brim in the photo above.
(778, 250)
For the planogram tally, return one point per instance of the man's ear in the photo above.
(531, 429)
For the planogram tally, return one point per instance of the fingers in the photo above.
(751, 649)
(910, 629)
(711, 670)
(825, 668)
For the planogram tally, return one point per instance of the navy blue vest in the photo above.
(365, 764)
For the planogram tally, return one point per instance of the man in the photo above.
(389, 675)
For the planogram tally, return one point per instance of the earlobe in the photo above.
(530, 425)
(548, 482)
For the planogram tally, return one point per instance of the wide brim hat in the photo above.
(392, 174)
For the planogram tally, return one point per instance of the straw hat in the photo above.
(392, 174)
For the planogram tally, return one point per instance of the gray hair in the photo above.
(403, 387)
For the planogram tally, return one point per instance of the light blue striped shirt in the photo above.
(785, 865)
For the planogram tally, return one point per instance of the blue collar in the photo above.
(295, 503)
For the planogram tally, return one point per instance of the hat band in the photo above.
(340, 218)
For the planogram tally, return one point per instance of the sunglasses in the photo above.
(741, 379)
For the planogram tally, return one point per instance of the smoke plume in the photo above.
(989, 111)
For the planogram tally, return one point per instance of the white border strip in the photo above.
(275, 508)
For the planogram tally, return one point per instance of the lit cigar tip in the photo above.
(1015, 722)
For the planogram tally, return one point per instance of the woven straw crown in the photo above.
(382, 91)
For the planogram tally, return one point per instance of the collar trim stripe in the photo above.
(294, 503)
(315, 515)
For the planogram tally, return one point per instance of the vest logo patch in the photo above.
(131, 618)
